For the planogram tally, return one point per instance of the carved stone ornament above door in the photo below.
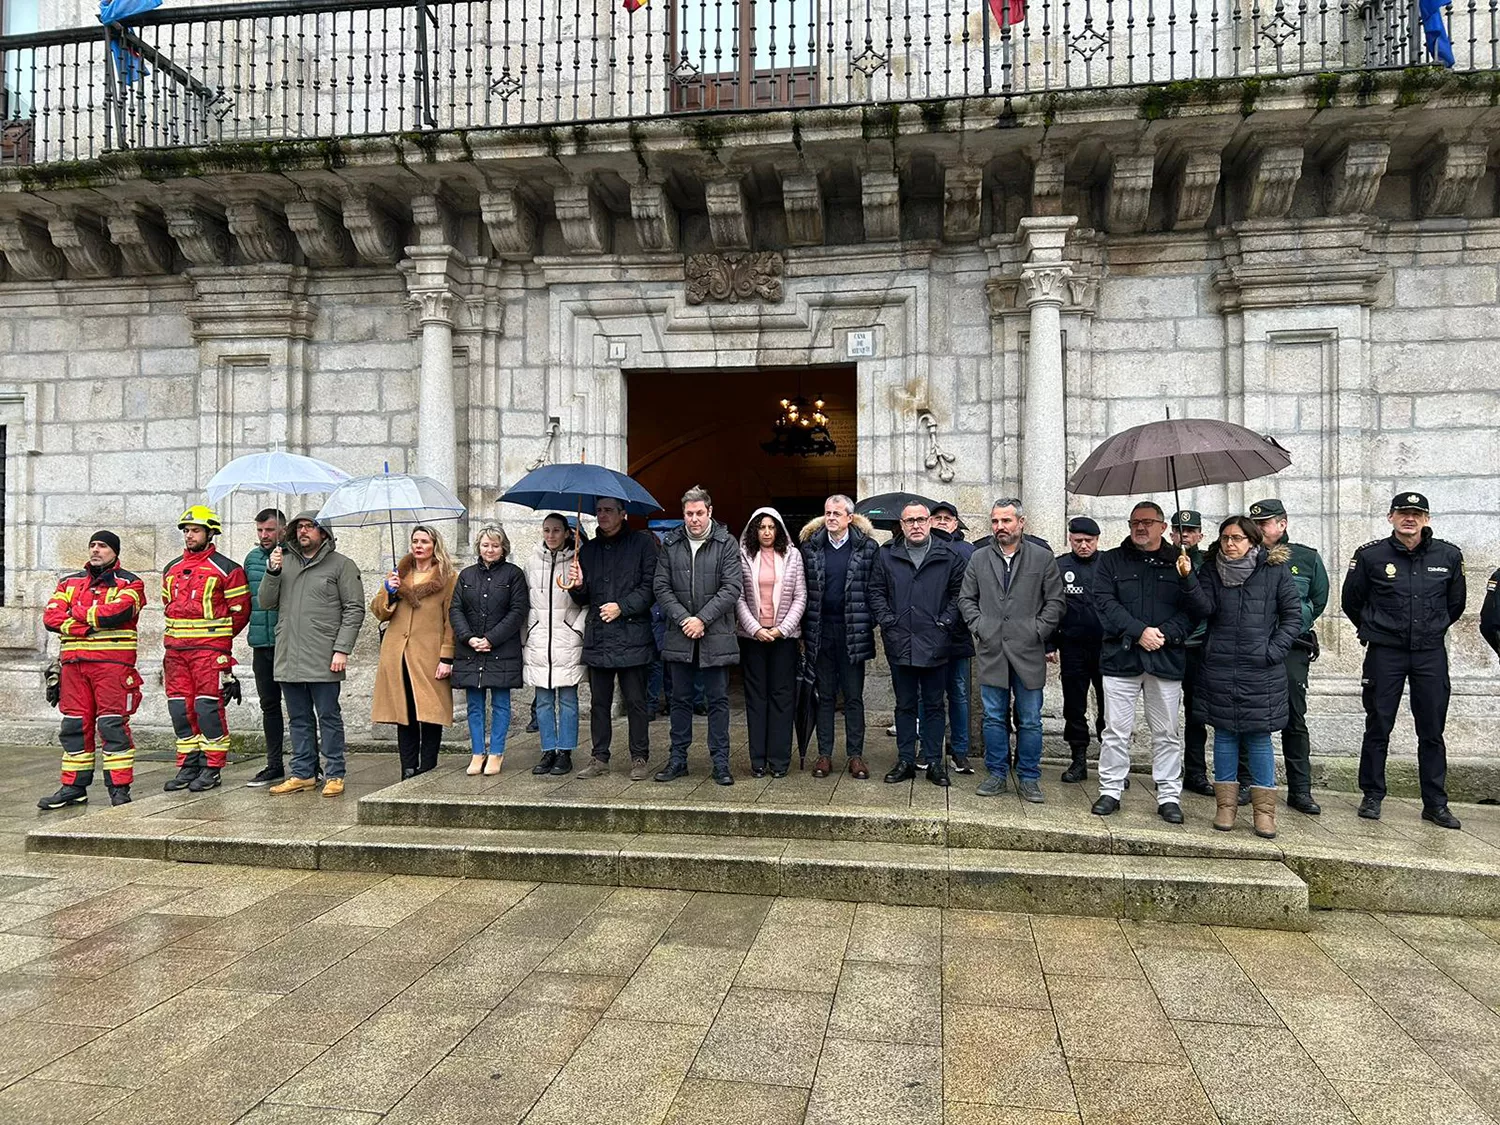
(734, 277)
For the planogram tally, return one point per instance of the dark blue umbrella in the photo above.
(579, 487)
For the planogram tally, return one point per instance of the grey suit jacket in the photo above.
(1011, 627)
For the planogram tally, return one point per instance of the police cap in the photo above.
(1413, 500)
(1267, 509)
(1187, 520)
(1082, 525)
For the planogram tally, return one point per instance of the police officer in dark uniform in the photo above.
(1311, 579)
(1489, 613)
(1403, 593)
(1078, 640)
(1187, 531)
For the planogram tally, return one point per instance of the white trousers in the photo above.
(1162, 700)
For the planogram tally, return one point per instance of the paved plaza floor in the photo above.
(145, 991)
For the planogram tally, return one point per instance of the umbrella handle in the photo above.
(563, 581)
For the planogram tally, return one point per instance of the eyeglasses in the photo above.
(1146, 523)
(1234, 539)
(913, 521)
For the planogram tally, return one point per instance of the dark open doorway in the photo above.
(708, 427)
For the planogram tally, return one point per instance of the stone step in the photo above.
(1254, 893)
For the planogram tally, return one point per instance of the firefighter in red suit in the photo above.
(206, 599)
(94, 612)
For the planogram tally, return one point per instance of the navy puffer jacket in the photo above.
(859, 619)
(1242, 681)
(489, 601)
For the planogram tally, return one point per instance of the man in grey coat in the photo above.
(698, 583)
(1012, 599)
(321, 604)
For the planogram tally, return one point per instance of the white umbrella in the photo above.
(275, 471)
(388, 497)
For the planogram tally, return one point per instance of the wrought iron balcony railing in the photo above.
(330, 68)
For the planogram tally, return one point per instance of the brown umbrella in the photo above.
(1177, 453)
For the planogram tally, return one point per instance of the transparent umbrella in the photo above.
(387, 497)
(274, 471)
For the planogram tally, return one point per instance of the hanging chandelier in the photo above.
(801, 430)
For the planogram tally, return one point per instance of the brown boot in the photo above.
(1263, 804)
(1227, 794)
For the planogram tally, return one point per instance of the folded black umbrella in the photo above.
(884, 511)
(805, 713)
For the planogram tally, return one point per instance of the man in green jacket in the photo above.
(1311, 579)
(270, 527)
(322, 604)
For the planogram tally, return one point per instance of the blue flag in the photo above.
(128, 63)
(1439, 46)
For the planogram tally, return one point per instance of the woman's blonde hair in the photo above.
(497, 532)
(442, 565)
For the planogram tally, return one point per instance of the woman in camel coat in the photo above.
(412, 688)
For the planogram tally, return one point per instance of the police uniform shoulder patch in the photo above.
(1492, 584)
(1354, 558)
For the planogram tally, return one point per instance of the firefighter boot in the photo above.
(191, 766)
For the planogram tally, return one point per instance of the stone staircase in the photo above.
(911, 844)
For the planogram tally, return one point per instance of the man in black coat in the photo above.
(914, 590)
(1187, 534)
(1403, 593)
(838, 627)
(1489, 613)
(1078, 640)
(1143, 607)
(698, 581)
(946, 525)
(613, 575)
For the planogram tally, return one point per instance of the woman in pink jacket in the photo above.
(769, 620)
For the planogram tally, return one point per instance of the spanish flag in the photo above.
(633, 5)
(1007, 13)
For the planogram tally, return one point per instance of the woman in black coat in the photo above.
(489, 609)
(1248, 599)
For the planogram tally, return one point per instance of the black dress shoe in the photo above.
(721, 776)
(1200, 785)
(407, 775)
(1369, 808)
(757, 771)
(961, 764)
(1303, 803)
(938, 776)
(902, 771)
(1105, 805)
(1077, 771)
(1170, 811)
(1441, 817)
(778, 772)
(672, 771)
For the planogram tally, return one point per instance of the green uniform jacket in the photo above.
(322, 604)
(1311, 579)
(262, 632)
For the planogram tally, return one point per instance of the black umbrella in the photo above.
(884, 511)
(805, 713)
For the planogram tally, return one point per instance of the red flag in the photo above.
(634, 5)
(1007, 13)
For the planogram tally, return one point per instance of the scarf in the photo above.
(1236, 572)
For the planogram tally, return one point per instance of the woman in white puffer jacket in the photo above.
(553, 648)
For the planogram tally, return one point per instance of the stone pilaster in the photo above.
(1044, 467)
(434, 274)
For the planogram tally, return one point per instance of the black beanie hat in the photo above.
(109, 539)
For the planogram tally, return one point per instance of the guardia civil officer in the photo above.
(1403, 593)
(1187, 534)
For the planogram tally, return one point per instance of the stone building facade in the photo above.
(1019, 278)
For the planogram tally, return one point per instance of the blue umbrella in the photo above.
(579, 486)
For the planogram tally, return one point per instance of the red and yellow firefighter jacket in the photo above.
(206, 598)
(96, 614)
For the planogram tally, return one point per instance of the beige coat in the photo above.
(421, 635)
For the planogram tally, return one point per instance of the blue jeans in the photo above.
(557, 718)
(499, 719)
(313, 717)
(1028, 706)
(1227, 746)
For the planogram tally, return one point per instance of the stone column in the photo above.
(1044, 465)
(432, 278)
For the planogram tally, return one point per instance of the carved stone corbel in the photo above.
(584, 219)
(514, 230)
(654, 216)
(728, 213)
(1047, 177)
(320, 232)
(1273, 176)
(201, 235)
(963, 194)
(1353, 179)
(1127, 199)
(260, 231)
(143, 241)
(435, 219)
(1194, 188)
(880, 194)
(802, 200)
(29, 250)
(373, 228)
(82, 237)
(1450, 172)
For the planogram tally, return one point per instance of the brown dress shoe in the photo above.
(858, 770)
(822, 767)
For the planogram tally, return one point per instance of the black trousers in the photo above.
(416, 742)
(1194, 733)
(602, 702)
(1078, 665)
(838, 675)
(1386, 672)
(263, 663)
(770, 673)
(683, 676)
(928, 684)
(1296, 747)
